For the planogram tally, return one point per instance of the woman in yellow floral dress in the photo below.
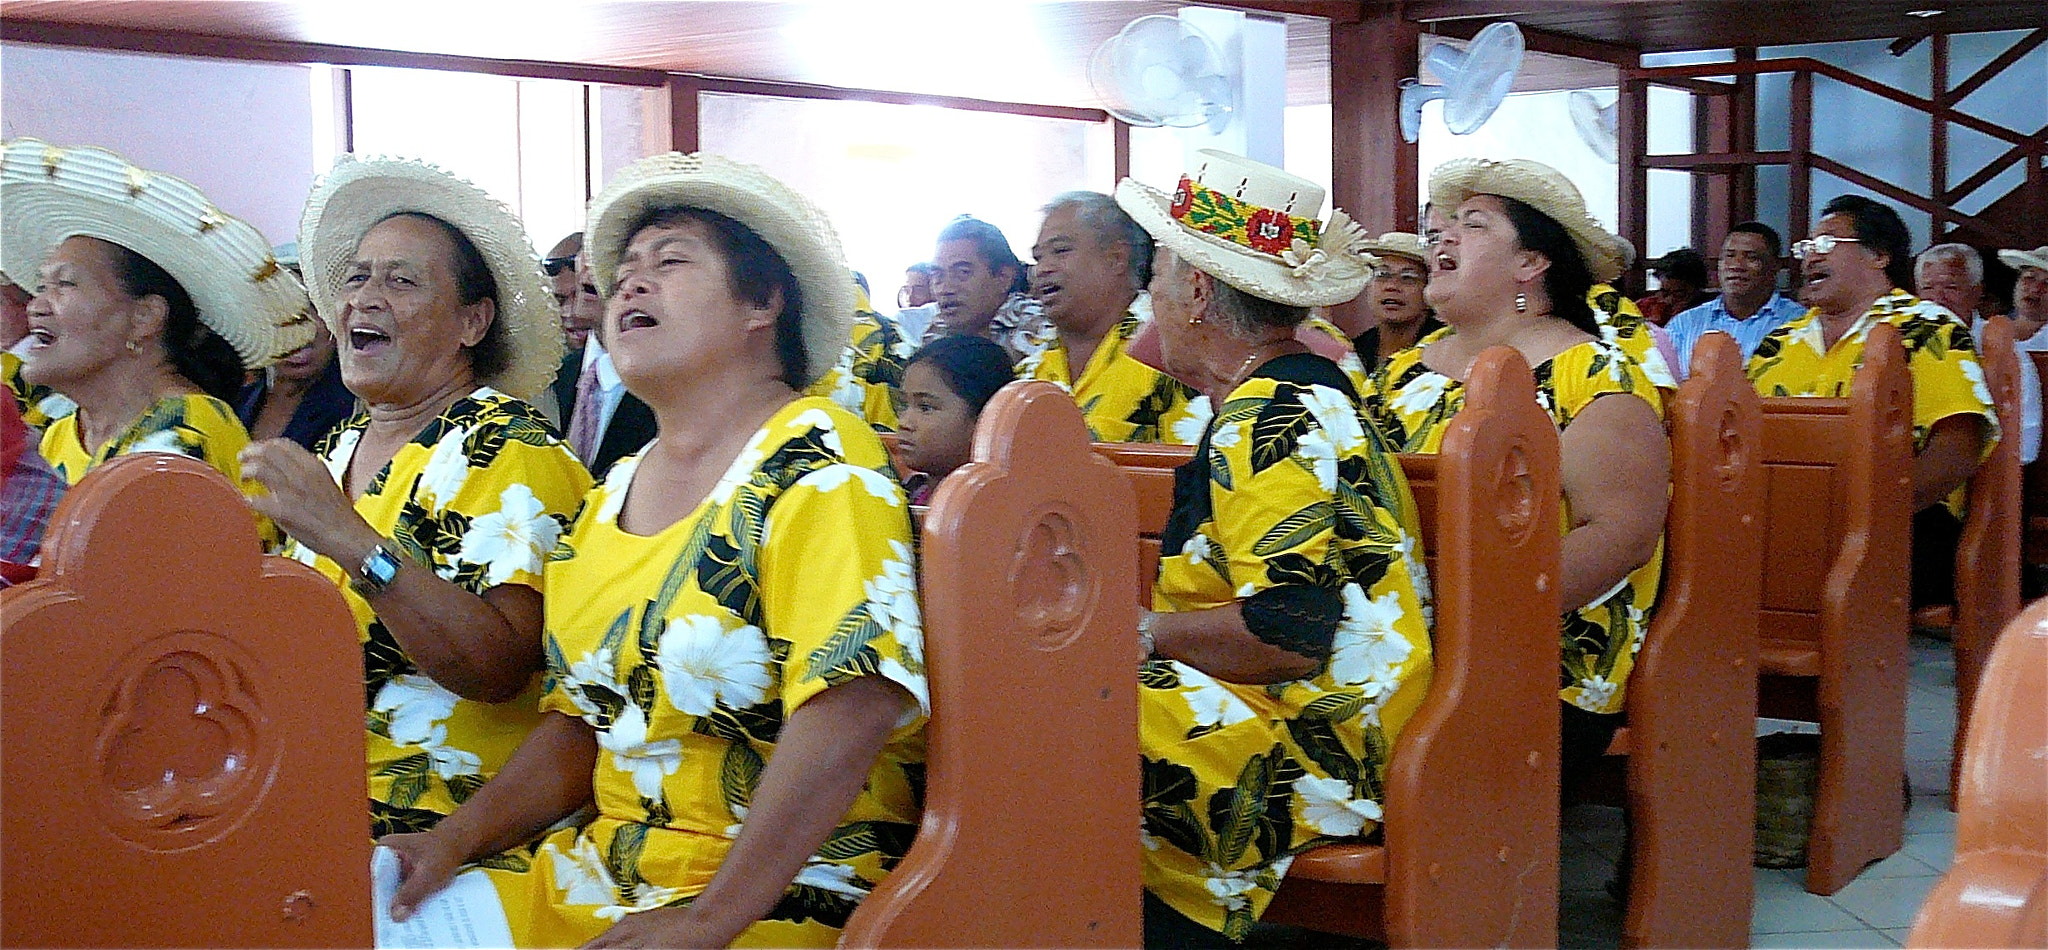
(434, 506)
(735, 660)
(1290, 642)
(1511, 267)
(1854, 266)
(148, 305)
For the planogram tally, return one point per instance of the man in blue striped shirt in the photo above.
(1749, 306)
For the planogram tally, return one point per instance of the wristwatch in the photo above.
(378, 570)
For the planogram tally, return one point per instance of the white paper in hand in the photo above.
(465, 914)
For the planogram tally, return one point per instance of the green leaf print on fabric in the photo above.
(1235, 813)
(1296, 529)
(1278, 428)
(508, 861)
(1158, 674)
(460, 787)
(1318, 740)
(846, 650)
(622, 858)
(721, 574)
(1169, 814)
(739, 773)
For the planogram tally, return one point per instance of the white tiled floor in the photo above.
(1875, 910)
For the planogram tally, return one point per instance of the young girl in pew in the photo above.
(945, 386)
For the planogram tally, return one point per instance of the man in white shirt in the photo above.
(1749, 306)
(1952, 275)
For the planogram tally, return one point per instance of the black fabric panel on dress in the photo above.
(1298, 618)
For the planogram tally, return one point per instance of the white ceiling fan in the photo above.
(1163, 71)
(1475, 80)
(1597, 124)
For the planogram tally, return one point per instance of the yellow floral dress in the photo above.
(480, 496)
(39, 405)
(191, 424)
(1622, 324)
(687, 649)
(868, 379)
(1941, 358)
(1412, 405)
(1291, 502)
(1121, 399)
(1353, 367)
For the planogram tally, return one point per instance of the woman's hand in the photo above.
(668, 927)
(303, 499)
(426, 864)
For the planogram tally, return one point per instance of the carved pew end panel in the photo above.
(182, 729)
(1030, 833)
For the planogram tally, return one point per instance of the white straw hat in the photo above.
(1397, 244)
(48, 194)
(2020, 260)
(797, 229)
(1539, 186)
(1255, 228)
(360, 192)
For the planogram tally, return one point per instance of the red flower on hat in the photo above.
(1183, 198)
(1270, 231)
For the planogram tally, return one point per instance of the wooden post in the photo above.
(1373, 172)
(682, 112)
(1799, 183)
(1633, 198)
(1713, 190)
(1937, 139)
(1742, 201)
(1120, 147)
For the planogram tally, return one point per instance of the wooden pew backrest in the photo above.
(1987, 594)
(183, 747)
(1030, 833)
(1692, 694)
(1995, 894)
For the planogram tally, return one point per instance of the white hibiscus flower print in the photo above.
(302, 554)
(827, 876)
(738, 473)
(1328, 807)
(1974, 372)
(1411, 559)
(162, 440)
(1336, 415)
(580, 875)
(417, 705)
(1228, 436)
(894, 671)
(599, 670)
(449, 761)
(342, 454)
(1228, 888)
(1197, 549)
(1421, 393)
(705, 665)
(648, 762)
(1315, 449)
(892, 600)
(820, 420)
(1350, 364)
(446, 470)
(1211, 703)
(1187, 430)
(1368, 652)
(515, 538)
(838, 474)
(616, 484)
(56, 406)
(1595, 692)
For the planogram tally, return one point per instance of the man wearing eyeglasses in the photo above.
(1855, 266)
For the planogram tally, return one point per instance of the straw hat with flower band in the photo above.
(360, 192)
(1255, 228)
(2021, 260)
(1398, 244)
(1540, 187)
(49, 194)
(797, 229)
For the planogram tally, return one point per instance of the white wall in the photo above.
(241, 132)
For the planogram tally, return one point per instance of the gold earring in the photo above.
(1195, 320)
(134, 347)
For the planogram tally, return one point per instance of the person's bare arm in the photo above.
(546, 780)
(1218, 643)
(483, 648)
(1616, 468)
(1949, 458)
(819, 765)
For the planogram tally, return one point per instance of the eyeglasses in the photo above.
(1399, 276)
(556, 265)
(1819, 244)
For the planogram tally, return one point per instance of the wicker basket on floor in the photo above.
(1787, 776)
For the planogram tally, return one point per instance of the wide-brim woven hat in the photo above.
(1256, 228)
(49, 194)
(2020, 260)
(798, 230)
(1398, 244)
(1539, 186)
(360, 192)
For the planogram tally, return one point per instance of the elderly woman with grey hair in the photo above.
(1093, 263)
(1291, 642)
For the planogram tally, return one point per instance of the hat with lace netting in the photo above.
(2021, 260)
(1397, 244)
(49, 194)
(797, 229)
(1540, 187)
(361, 192)
(1256, 228)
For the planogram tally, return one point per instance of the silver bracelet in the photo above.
(1147, 623)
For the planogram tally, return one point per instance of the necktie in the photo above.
(583, 425)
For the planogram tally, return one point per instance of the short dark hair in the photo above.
(1762, 230)
(1567, 280)
(1881, 231)
(491, 355)
(200, 355)
(927, 268)
(989, 241)
(1100, 213)
(1683, 264)
(973, 367)
(754, 272)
